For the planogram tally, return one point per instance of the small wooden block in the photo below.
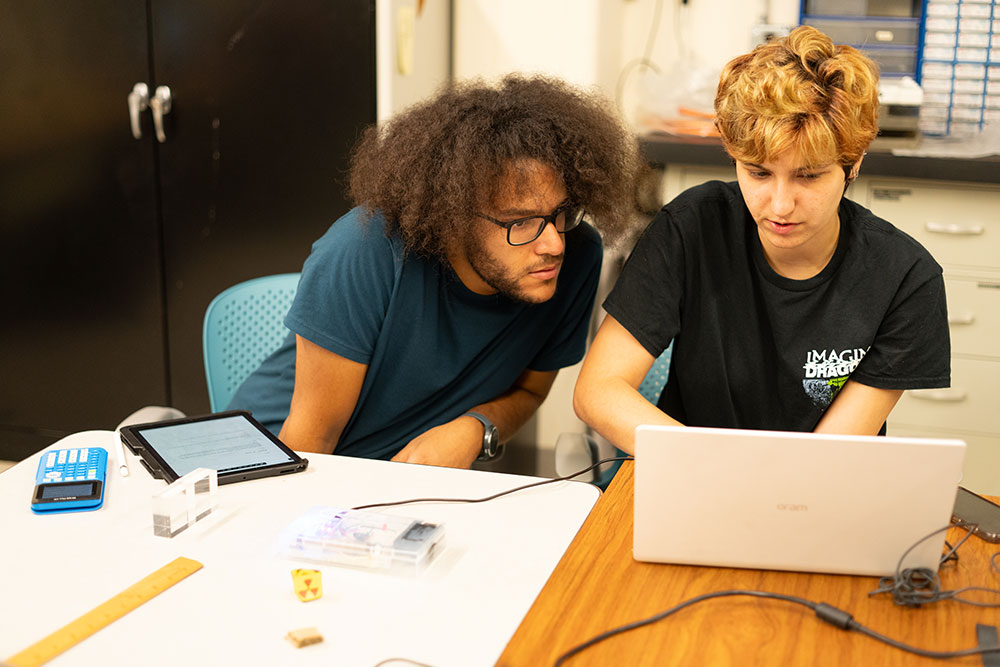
(304, 637)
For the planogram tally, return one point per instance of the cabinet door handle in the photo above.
(954, 229)
(961, 318)
(950, 395)
(160, 104)
(138, 101)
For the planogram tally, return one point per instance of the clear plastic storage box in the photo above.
(361, 538)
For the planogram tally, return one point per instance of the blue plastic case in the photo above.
(70, 480)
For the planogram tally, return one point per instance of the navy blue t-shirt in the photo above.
(434, 349)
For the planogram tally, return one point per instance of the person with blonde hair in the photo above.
(790, 307)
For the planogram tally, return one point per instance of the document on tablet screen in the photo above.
(223, 445)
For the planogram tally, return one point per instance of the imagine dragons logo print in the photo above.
(826, 371)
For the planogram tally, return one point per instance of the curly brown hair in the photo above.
(431, 167)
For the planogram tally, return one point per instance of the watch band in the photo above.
(491, 445)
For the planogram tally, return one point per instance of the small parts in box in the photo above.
(362, 539)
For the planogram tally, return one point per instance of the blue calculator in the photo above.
(70, 480)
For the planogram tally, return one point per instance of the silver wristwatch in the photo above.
(491, 438)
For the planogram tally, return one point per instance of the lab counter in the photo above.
(662, 149)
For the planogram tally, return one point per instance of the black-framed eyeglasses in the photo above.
(525, 230)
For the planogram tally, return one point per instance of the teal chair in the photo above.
(656, 379)
(243, 325)
(651, 387)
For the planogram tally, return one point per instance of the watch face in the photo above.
(490, 442)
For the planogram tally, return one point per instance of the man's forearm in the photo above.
(458, 442)
(510, 411)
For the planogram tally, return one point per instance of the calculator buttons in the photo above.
(67, 466)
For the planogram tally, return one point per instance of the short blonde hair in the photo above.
(798, 92)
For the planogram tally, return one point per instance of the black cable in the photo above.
(825, 612)
(950, 555)
(663, 614)
(495, 495)
(909, 587)
(939, 655)
(913, 587)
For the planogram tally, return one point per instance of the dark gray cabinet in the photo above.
(113, 246)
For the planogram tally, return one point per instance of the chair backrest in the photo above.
(652, 385)
(243, 325)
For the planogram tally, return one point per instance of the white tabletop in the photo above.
(236, 610)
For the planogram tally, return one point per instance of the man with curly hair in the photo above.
(431, 320)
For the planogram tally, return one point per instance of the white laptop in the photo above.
(792, 501)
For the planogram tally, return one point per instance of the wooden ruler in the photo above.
(105, 614)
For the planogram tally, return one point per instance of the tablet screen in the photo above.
(226, 445)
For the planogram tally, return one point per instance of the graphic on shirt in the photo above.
(826, 371)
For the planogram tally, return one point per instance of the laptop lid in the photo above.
(792, 501)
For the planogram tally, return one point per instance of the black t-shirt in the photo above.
(753, 349)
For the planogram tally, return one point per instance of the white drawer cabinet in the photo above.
(971, 403)
(960, 225)
(981, 472)
(974, 316)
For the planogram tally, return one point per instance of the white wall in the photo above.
(412, 54)
(595, 42)
(573, 39)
